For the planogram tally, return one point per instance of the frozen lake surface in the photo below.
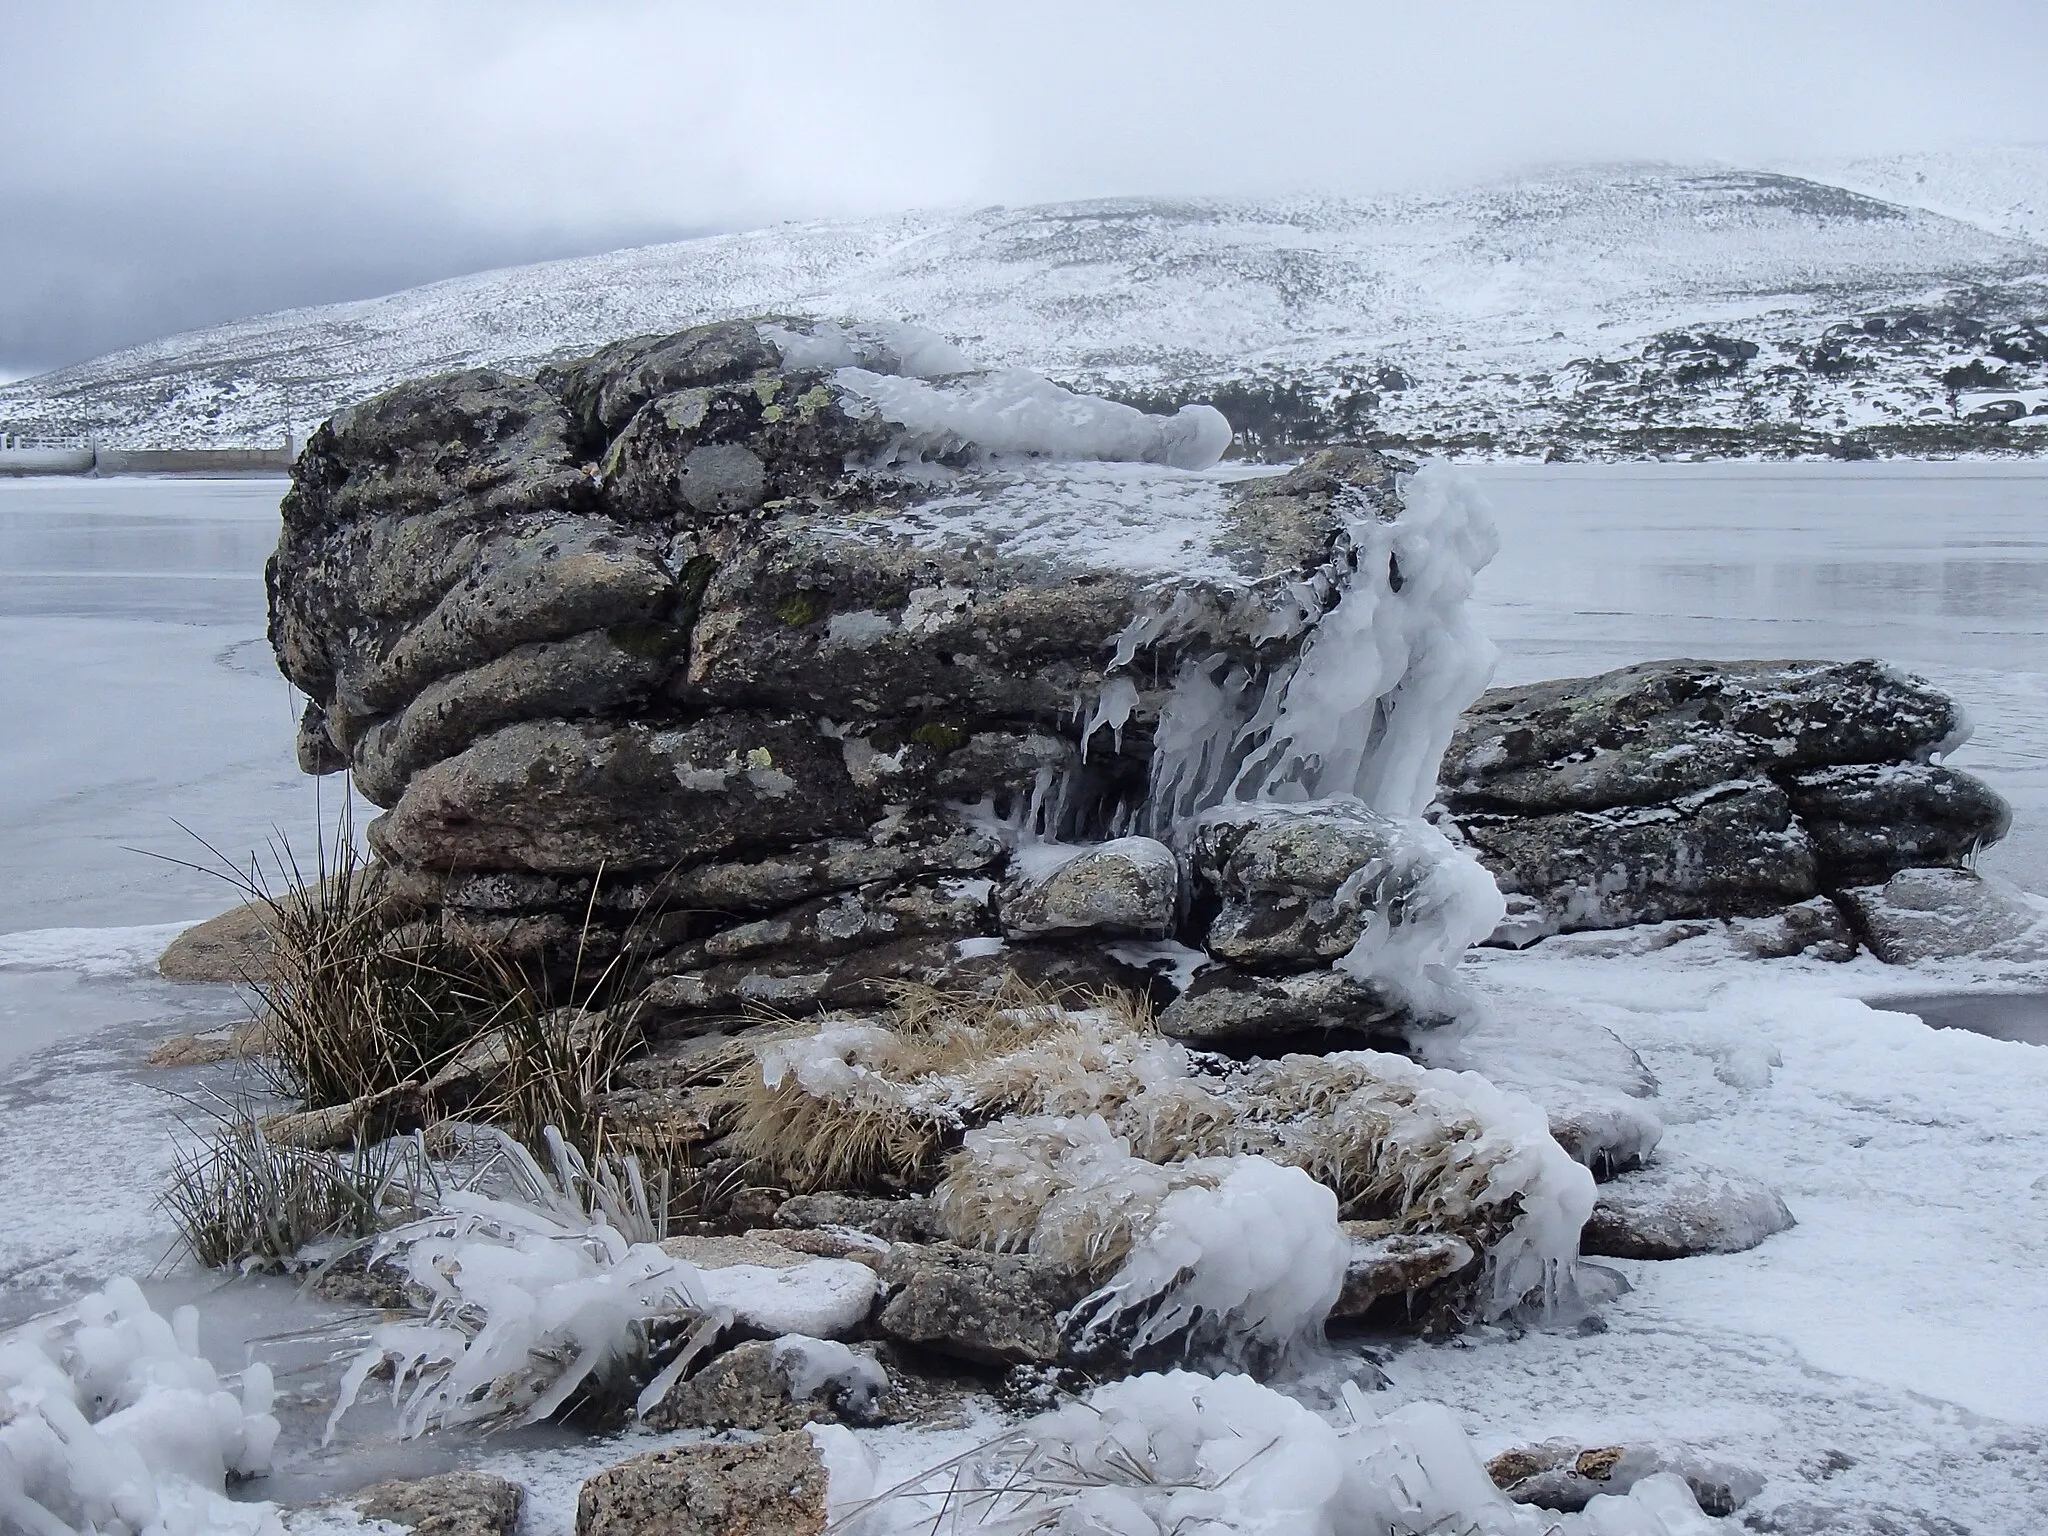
(1940, 568)
(1898, 1325)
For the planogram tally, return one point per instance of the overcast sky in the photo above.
(165, 165)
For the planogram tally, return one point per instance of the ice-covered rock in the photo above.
(1674, 1209)
(1947, 914)
(1564, 1475)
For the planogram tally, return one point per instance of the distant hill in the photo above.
(1604, 310)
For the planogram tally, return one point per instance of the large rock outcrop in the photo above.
(1710, 789)
(808, 660)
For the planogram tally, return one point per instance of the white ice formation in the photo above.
(531, 1299)
(113, 1423)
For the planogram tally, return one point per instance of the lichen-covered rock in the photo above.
(1948, 914)
(998, 1308)
(894, 1221)
(450, 1504)
(773, 1487)
(1236, 1011)
(1128, 887)
(1299, 883)
(1674, 1210)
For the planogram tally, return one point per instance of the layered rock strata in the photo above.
(804, 660)
(1709, 789)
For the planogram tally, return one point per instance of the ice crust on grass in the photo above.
(1178, 1453)
(115, 1424)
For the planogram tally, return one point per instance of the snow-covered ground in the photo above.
(1645, 307)
(1884, 1363)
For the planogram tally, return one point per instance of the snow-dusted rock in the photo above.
(1128, 887)
(1816, 928)
(1945, 914)
(1563, 1475)
(1674, 1210)
(824, 1298)
(714, 1489)
(1396, 1265)
(1003, 1308)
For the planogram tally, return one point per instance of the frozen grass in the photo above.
(547, 1295)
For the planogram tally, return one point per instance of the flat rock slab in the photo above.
(1676, 1210)
(774, 1487)
(784, 1292)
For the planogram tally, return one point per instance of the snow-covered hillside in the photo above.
(1602, 309)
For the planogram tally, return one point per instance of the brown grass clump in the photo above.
(875, 1103)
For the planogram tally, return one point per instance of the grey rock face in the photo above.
(1946, 914)
(1708, 789)
(776, 1485)
(1126, 888)
(1654, 732)
(1677, 1210)
(1000, 1308)
(1734, 848)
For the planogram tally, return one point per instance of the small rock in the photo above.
(777, 1384)
(1948, 914)
(1395, 1264)
(1299, 884)
(1126, 888)
(1674, 1210)
(774, 1487)
(201, 1050)
(452, 1504)
(821, 1243)
(1228, 1009)
(1002, 1308)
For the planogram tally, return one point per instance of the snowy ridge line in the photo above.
(1490, 312)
